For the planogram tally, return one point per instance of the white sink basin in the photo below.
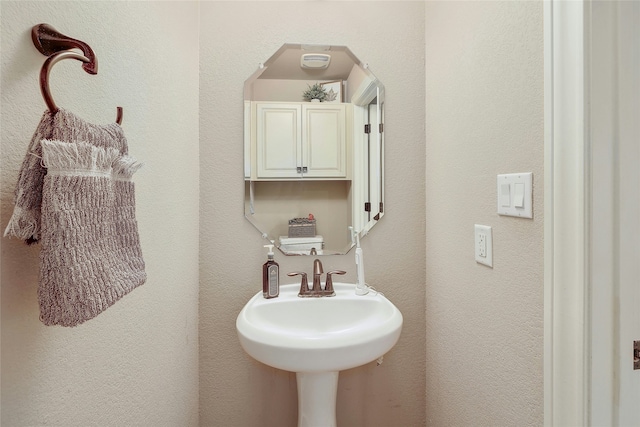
(327, 334)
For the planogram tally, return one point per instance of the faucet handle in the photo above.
(304, 283)
(328, 286)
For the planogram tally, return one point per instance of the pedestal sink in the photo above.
(317, 338)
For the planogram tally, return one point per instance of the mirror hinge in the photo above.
(381, 127)
(381, 207)
(367, 206)
(636, 355)
(367, 128)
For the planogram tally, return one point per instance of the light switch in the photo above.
(515, 194)
(518, 195)
(505, 195)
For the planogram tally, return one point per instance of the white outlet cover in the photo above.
(515, 194)
(486, 231)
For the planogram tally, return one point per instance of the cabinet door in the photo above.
(278, 137)
(323, 141)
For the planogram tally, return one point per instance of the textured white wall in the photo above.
(136, 363)
(235, 390)
(484, 116)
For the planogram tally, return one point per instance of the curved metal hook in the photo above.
(44, 75)
(50, 41)
(44, 79)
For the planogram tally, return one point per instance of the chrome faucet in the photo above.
(317, 290)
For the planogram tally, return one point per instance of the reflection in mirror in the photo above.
(313, 168)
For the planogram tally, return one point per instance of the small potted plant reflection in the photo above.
(315, 93)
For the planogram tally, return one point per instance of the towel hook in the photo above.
(56, 46)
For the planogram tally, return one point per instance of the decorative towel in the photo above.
(75, 196)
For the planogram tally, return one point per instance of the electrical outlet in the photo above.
(483, 245)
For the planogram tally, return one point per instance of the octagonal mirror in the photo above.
(314, 145)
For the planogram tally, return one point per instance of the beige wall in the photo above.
(326, 199)
(479, 362)
(235, 38)
(484, 116)
(136, 363)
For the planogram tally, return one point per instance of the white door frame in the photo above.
(588, 70)
(565, 296)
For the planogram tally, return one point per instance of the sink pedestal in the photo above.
(317, 398)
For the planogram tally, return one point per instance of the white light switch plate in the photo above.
(515, 194)
(483, 244)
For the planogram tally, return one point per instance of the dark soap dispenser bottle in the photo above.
(270, 276)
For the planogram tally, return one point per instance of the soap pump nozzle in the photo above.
(270, 252)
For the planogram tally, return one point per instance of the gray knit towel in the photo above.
(75, 196)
